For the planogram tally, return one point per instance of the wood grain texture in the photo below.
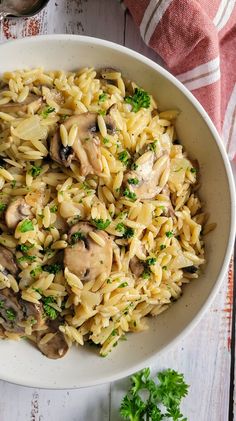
(204, 355)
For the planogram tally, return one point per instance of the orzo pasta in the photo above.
(100, 221)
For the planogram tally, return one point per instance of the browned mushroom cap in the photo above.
(86, 147)
(57, 346)
(147, 176)
(85, 258)
(7, 261)
(136, 266)
(14, 107)
(16, 212)
(14, 310)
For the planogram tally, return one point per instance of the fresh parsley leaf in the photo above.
(140, 99)
(35, 171)
(151, 401)
(13, 184)
(162, 247)
(102, 97)
(11, 315)
(49, 311)
(76, 236)
(46, 111)
(36, 271)
(53, 209)
(3, 206)
(169, 234)
(146, 274)
(124, 157)
(133, 181)
(102, 112)
(100, 224)
(133, 166)
(193, 170)
(152, 146)
(55, 268)
(26, 258)
(127, 232)
(123, 285)
(129, 194)
(24, 248)
(151, 261)
(2, 304)
(26, 225)
(105, 140)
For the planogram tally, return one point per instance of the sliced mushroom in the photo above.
(147, 175)
(14, 107)
(57, 346)
(16, 212)
(86, 147)
(86, 258)
(136, 266)
(14, 311)
(7, 261)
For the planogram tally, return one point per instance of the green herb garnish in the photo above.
(169, 234)
(102, 97)
(152, 146)
(162, 247)
(129, 194)
(55, 268)
(24, 248)
(124, 157)
(133, 181)
(3, 206)
(100, 224)
(77, 236)
(127, 232)
(102, 112)
(13, 184)
(193, 170)
(26, 258)
(140, 99)
(27, 225)
(146, 274)
(2, 304)
(48, 310)
(11, 315)
(151, 401)
(53, 209)
(123, 285)
(133, 166)
(151, 261)
(105, 140)
(36, 271)
(46, 111)
(35, 171)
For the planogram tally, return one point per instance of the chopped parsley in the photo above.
(169, 234)
(46, 111)
(26, 258)
(48, 310)
(123, 285)
(27, 225)
(2, 304)
(2, 207)
(36, 271)
(53, 209)
(129, 194)
(127, 232)
(11, 315)
(133, 181)
(164, 267)
(100, 224)
(193, 170)
(33, 321)
(151, 261)
(133, 166)
(35, 171)
(77, 236)
(162, 246)
(124, 157)
(109, 281)
(140, 99)
(13, 184)
(152, 146)
(55, 268)
(105, 140)
(102, 97)
(158, 400)
(102, 112)
(24, 248)
(146, 274)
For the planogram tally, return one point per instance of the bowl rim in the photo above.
(81, 39)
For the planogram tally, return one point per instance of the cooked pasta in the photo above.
(101, 223)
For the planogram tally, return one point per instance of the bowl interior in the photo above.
(25, 365)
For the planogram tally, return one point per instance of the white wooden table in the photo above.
(206, 356)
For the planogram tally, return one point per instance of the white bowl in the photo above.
(82, 367)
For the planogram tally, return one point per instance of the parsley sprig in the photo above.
(167, 394)
(140, 99)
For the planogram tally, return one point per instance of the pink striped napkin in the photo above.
(197, 41)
